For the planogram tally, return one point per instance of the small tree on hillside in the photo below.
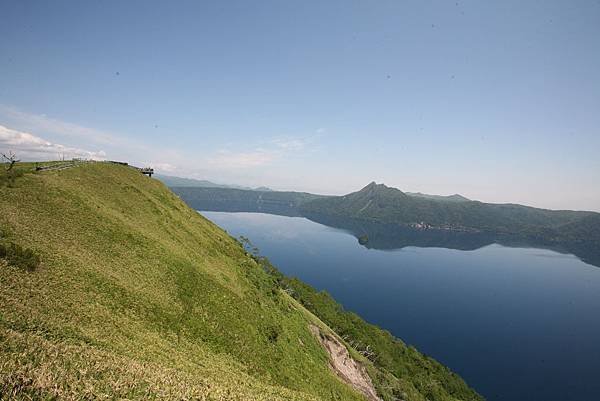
(11, 174)
(11, 159)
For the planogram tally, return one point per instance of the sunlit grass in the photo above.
(130, 276)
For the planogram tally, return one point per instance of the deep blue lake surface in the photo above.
(515, 323)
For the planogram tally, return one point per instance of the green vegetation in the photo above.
(449, 198)
(140, 297)
(9, 172)
(378, 203)
(16, 255)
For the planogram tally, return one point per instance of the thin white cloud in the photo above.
(162, 167)
(238, 160)
(229, 163)
(44, 124)
(118, 146)
(271, 151)
(31, 147)
(289, 144)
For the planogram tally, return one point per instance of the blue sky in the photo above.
(498, 101)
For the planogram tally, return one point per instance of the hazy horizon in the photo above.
(496, 102)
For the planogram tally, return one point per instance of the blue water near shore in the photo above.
(515, 323)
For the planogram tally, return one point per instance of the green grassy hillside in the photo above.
(111, 287)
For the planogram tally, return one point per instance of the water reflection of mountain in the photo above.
(280, 209)
(392, 236)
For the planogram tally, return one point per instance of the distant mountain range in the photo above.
(377, 205)
(240, 200)
(172, 181)
(378, 202)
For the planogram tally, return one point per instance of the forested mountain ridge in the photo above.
(449, 198)
(377, 202)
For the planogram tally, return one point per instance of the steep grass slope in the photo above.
(137, 296)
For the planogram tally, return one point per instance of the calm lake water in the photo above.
(515, 323)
